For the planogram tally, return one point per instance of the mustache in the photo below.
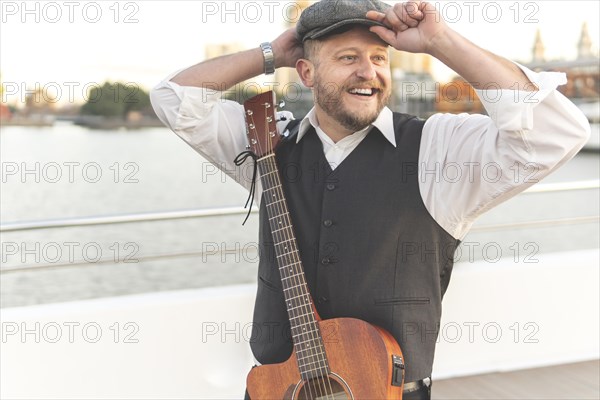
(333, 88)
(360, 83)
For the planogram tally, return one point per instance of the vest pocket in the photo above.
(402, 300)
(268, 284)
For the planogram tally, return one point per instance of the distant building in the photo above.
(583, 84)
(5, 113)
(538, 48)
(583, 73)
(584, 47)
(458, 97)
(415, 90)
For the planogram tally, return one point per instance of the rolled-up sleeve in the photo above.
(212, 126)
(471, 163)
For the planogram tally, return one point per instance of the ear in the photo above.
(306, 71)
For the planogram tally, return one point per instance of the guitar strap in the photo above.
(291, 129)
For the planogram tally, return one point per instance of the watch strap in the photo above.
(269, 57)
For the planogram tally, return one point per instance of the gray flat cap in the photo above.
(326, 16)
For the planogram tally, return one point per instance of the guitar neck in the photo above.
(308, 343)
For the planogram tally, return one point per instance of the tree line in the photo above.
(116, 100)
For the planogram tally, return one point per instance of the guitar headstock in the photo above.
(261, 123)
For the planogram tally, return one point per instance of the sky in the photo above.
(67, 46)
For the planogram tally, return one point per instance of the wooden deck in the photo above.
(570, 381)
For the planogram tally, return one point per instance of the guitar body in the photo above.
(360, 361)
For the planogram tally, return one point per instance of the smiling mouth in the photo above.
(364, 92)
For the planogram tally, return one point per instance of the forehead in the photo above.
(358, 36)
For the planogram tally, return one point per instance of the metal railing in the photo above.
(122, 219)
(223, 211)
(226, 211)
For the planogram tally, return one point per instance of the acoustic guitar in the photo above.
(341, 358)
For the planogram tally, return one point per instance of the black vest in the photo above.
(370, 248)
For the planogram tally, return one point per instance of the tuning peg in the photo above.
(281, 104)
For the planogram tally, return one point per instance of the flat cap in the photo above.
(326, 16)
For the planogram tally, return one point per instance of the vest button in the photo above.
(330, 186)
(328, 223)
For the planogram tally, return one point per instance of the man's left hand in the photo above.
(410, 26)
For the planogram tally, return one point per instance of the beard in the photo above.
(328, 96)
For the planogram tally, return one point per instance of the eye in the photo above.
(380, 59)
(348, 58)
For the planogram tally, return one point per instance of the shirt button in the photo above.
(330, 186)
(328, 223)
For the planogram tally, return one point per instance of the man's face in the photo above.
(352, 81)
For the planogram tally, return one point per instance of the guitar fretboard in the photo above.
(308, 343)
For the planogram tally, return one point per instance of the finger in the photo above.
(394, 20)
(414, 9)
(428, 8)
(385, 34)
(376, 16)
(389, 19)
(400, 11)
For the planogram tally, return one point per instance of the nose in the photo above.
(366, 70)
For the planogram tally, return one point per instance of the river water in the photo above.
(66, 171)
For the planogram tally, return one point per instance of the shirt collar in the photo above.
(384, 122)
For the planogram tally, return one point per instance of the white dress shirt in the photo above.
(467, 163)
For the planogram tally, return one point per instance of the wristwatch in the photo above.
(267, 50)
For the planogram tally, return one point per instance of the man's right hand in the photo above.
(287, 49)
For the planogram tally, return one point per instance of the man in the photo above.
(373, 200)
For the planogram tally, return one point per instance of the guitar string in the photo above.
(306, 321)
(282, 206)
(270, 181)
(283, 212)
(320, 349)
(302, 298)
(295, 286)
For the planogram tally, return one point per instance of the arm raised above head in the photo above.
(226, 71)
(530, 130)
(418, 27)
(190, 102)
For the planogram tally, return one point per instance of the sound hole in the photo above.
(324, 389)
